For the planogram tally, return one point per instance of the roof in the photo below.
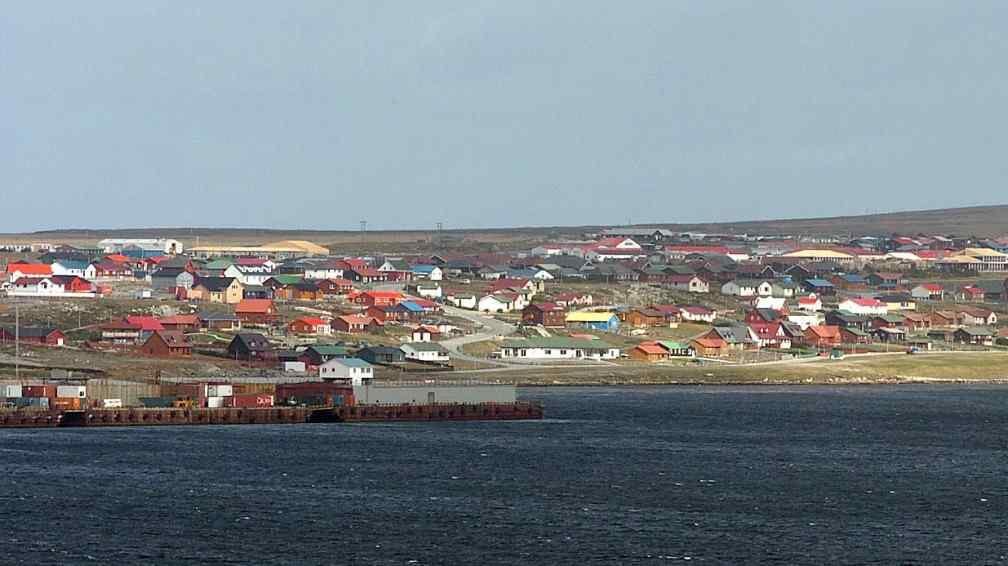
(581, 316)
(179, 319)
(670, 345)
(146, 323)
(262, 306)
(651, 348)
(348, 362)
(253, 341)
(711, 342)
(310, 321)
(816, 282)
(818, 253)
(976, 330)
(285, 246)
(215, 283)
(171, 337)
(29, 268)
(425, 347)
(825, 331)
(558, 343)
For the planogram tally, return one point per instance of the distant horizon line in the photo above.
(656, 225)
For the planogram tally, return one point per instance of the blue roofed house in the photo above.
(820, 287)
(427, 271)
(82, 269)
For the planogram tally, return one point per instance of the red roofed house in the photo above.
(544, 314)
(182, 322)
(378, 298)
(19, 269)
(928, 291)
(649, 352)
(256, 311)
(771, 334)
(310, 325)
(822, 336)
(811, 303)
(709, 347)
(337, 286)
(355, 323)
(973, 294)
(148, 325)
(167, 344)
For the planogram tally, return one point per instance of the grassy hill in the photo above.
(969, 221)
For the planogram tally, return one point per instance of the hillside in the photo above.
(977, 221)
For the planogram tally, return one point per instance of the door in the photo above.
(430, 397)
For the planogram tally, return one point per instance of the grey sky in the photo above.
(481, 114)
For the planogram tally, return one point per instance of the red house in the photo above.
(181, 322)
(378, 298)
(167, 344)
(331, 287)
(544, 314)
(822, 336)
(256, 311)
(355, 323)
(309, 325)
(41, 335)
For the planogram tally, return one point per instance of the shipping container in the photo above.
(192, 390)
(214, 402)
(47, 391)
(249, 401)
(111, 403)
(68, 391)
(66, 403)
(327, 393)
(157, 402)
(10, 391)
(254, 388)
(219, 391)
(32, 402)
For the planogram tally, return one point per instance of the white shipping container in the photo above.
(68, 391)
(219, 391)
(214, 402)
(112, 403)
(10, 391)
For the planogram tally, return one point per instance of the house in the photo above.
(219, 320)
(602, 321)
(898, 301)
(381, 355)
(335, 286)
(148, 325)
(310, 325)
(770, 334)
(762, 315)
(352, 371)
(943, 318)
(747, 288)
(993, 289)
(850, 281)
(819, 287)
(428, 291)
(823, 336)
(120, 332)
(498, 303)
(568, 300)
(737, 336)
(77, 268)
(40, 335)
(544, 314)
(976, 316)
(928, 292)
(688, 283)
(356, 324)
(972, 294)
(224, 290)
(706, 347)
(677, 349)
(697, 313)
(887, 321)
(379, 298)
(886, 280)
(558, 348)
(317, 354)
(854, 335)
(425, 271)
(19, 269)
(974, 335)
(52, 286)
(845, 319)
(863, 305)
(167, 344)
(251, 347)
(810, 303)
(328, 269)
(648, 352)
(645, 318)
(249, 274)
(181, 322)
(424, 333)
(462, 300)
(427, 352)
(917, 321)
(256, 312)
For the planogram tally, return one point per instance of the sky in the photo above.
(478, 114)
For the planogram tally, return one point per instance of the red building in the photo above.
(167, 344)
(544, 314)
(823, 336)
(41, 335)
(256, 311)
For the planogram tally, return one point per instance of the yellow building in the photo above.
(284, 249)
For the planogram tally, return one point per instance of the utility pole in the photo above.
(17, 343)
(363, 230)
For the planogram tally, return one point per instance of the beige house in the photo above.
(225, 290)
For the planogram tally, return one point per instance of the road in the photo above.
(491, 328)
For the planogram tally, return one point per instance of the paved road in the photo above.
(491, 328)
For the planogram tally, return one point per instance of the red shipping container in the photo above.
(249, 401)
(191, 390)
(67, 403)
(38, 391)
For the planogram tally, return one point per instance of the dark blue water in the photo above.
(616, 476)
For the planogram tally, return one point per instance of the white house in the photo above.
(747, 288)
(772, 303)
(496, 303)
(81, 269)
(462, 301)
(861, 305)
(424, 271)
(427, 291)
(325, 270)
(162, 245)
(811, 303)
(805, 320)
(352, 371)
(425, 352)
(249, 274)
(557, 348)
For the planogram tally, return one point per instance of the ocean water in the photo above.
(715, 475)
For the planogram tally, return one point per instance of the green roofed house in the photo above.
(558, 348)
(318, 354)
(677, 349)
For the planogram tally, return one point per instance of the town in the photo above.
(151, 321)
